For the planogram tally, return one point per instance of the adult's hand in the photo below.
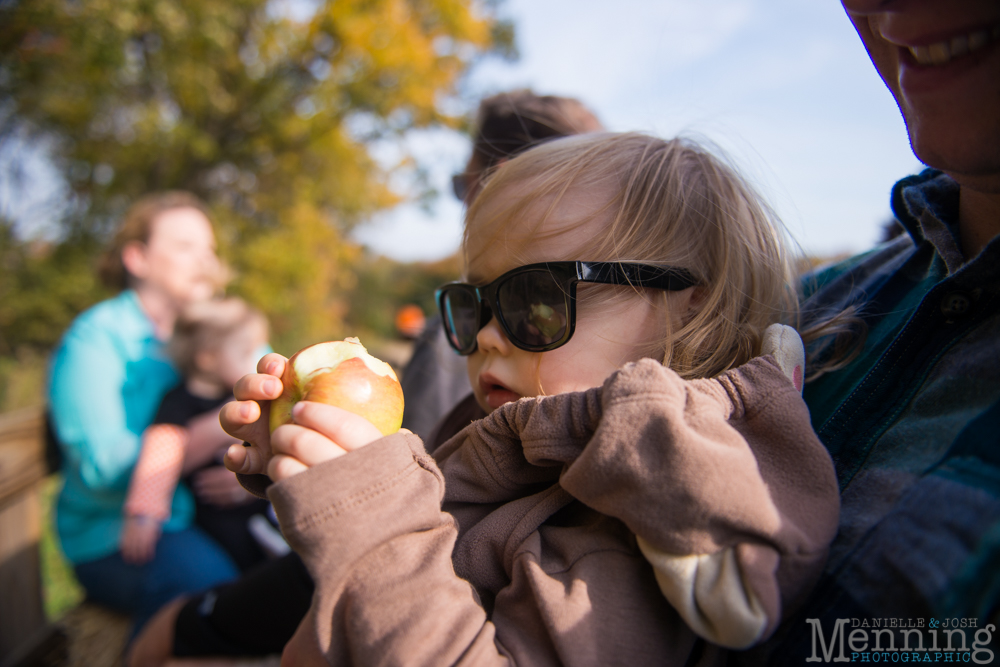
(246, 418)
(138, 540)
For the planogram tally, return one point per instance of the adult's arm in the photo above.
(205, 440)
(88, 409)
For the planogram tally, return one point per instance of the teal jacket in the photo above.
(107, 379)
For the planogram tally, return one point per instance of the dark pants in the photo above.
(255, 615)
(186, 561)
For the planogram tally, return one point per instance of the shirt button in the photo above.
(955, 304)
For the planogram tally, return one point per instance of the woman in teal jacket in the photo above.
(108, 377)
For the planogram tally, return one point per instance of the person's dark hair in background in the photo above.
(510, 123)
(258, 613)
(436, 378)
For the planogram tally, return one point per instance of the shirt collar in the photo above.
(927, 207)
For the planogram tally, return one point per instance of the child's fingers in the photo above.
(245, 460)
(304, 444)
(272, 364)
(282, 467)
(257, 387)
(347, 429)
(245, 420)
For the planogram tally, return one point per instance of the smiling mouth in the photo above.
(941, 53)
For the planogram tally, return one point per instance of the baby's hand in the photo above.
(138, 540)
(218, 486)
(320, 433)
(246, 418)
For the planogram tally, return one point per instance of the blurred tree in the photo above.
(398, 285)
(266, 108)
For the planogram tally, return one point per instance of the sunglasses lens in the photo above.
(534, 308)
(458, 309)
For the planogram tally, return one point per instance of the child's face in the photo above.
(237, 355)
(609, 332)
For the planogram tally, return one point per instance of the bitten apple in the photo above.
(341, 373)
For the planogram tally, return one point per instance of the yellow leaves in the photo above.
(171, 18)
(298, 272)
(175, 93)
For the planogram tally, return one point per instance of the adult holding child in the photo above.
(912, 423)
(108, 377)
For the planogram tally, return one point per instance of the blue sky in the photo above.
(783, 86)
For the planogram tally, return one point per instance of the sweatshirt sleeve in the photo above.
(732, 496)
(370, 529)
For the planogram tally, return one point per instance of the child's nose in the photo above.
(492, 337)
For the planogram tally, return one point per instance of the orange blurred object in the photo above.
(410, 321)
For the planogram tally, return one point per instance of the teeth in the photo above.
(978, 40)
(942, 52)
(959, 46)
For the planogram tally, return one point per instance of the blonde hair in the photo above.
(669, 203)
(137, 227)
(206, 325)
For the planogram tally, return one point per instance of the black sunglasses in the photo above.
(535, 305)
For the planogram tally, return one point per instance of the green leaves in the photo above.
(257, 111)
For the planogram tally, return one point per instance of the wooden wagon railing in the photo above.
(22, 468)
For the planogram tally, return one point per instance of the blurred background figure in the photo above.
(507, 124)
(108, 377)
(214, 344)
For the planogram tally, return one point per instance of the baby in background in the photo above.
(214, 344)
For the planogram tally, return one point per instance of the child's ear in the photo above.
(696, 301)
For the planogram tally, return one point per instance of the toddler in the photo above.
(213, 345)
(611, 504)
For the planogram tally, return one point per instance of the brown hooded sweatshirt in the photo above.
(517, 543)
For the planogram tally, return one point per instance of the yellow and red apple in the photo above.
(341, 373)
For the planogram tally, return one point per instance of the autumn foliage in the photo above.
(268, 109)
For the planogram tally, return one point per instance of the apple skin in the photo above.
(341, 373)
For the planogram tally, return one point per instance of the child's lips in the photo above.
(495, 393)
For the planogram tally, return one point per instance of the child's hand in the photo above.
(139, 537)
(218, 486)
(320, 433)
(246, 418)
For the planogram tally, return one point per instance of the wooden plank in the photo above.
(21, 610)
(22, 452)
(22, 467)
